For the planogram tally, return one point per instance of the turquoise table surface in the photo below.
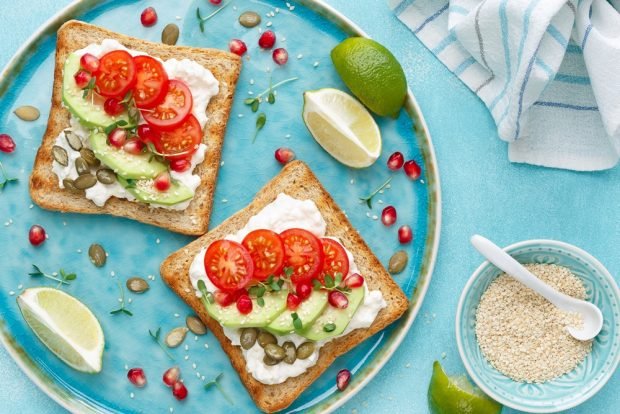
(482, 193)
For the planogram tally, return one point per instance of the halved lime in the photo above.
(456, 395)
(65, 325)
(342, 126)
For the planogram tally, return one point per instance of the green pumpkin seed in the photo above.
(274, 351)
(69, 185)
(137, 285)
(106, 176)
(60, 155)
(305, 350)
(249, 19)
(176, 336)
(267, 360)
(265, 338)
(97, 254)
(90, 158)
(248, 337)
(398, 261)
(81, 166)
(291, 352)
(27, 113)
(85, 181)
(195, 325)
(73, 140)
(170, 34)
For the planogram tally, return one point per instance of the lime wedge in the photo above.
(65, 325)
(342, 126)
(456, 395)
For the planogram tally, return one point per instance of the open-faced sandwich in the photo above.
(286, 285)
(135, 130)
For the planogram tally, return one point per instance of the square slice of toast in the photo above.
(298, 181)
(44, 188)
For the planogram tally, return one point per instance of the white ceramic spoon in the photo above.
(592, 316)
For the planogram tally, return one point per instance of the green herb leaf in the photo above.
(89, 87)
(338, 279)
(330, 327)
(281, 282)
(329, 281)
(288, 271)
(260, 301)
(275, 287)
(202, 286)
(271, 98)
(269, 280)
(297, 324)
(261, 119)
(317, 285)
(249, 101)
(210, 298)
(125, 311)
(254, 105)
(261, 291)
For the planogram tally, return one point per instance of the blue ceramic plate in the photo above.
(309, 30)
(572, 388)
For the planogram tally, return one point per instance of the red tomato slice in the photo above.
(180, 142)
(267, 251)
(335, 260)
(151, 82)
(116, 74)
(228, 265)
(174, 109)
(302, 252)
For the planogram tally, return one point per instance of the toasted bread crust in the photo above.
(298, 181)
(44, 188)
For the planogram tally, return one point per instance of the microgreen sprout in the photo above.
(203, 20)
(62, 277)
(122, 308)
(368, 199)
(216, 381)
(5, 178)
(156, 337)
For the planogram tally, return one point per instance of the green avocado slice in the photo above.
(145, 191)
(261, 316)
(308, 311)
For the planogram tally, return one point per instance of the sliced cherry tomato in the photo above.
(335, 259)
(267, 251)
(116, 74)
(303, 253)
(151, 82)
(228, 265)
(180, 142)
(174, 109)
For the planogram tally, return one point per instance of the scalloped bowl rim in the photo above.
(466, 291)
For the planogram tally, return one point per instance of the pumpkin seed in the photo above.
(248, 337)
(90, 158)
(27, 113)
(305, 350)
(97, 254)
(73, 140)
(265, 338)
(195, 325)
(85, 181)
(267, 360)
(398, 261)
(274, 351)
(137, 285)
(69, 184)
(249, 19)
(170, 34)
(291, 352)
(106, 176)
(60, 155)
(81, 166)
(176, 336)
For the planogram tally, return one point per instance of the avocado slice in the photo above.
(339, 317)
(308, 311)
(89, 110)
(261, 316)
(129, 166)
(144, 191)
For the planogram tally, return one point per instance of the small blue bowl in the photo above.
(572, 388)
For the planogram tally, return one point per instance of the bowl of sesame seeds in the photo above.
(514, 344)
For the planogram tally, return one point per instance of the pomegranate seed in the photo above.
(267, 39)
(6, 143)
(396, 161)
(338, 299)
(292, 301)
(405, 235)
(179, 391)
(237, 47)
(36, 235)
(303, 290)
(136, 377)
(162, 181)
(82, 78)
(284, 155)
(180, 165)
(89, 63)
(148, 17)
(388, 215)
(215, 2)
(354, 281)
(113, 106)
(412, 169)
(117, 137)
(280, 56)
(244, 304)
(146, 133)
(342, 379)
(133, 146)
(224, 298)
(171, 376)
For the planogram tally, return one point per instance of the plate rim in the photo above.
(434, 215)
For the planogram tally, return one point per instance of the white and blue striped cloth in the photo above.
(548, 71)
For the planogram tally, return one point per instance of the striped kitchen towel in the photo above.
(547, 70)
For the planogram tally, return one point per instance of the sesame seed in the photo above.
(157, 241)
(269, 24)
(129, 300)
(352, 181)
(187, 347)
(20, 286)
(11, 293)
(112, 273)
(131, 395)
(176, 315)
(31, 206)
(299, 56)
(316, 64)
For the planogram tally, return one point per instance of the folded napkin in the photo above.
(547, 70)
